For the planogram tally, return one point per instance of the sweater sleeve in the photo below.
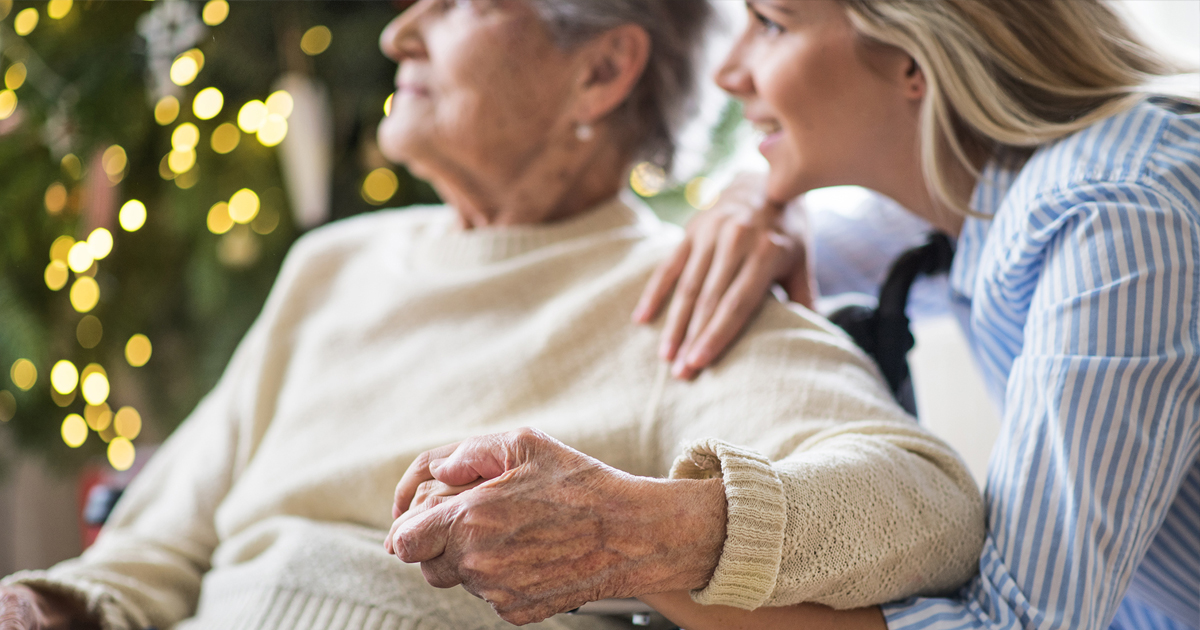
(834, 495)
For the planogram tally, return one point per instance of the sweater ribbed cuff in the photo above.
(98, 600)
(757, 513)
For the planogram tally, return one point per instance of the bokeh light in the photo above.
(128, 423)
(57, 274)
(72, 166)
(114, 160)
(380, 186)
(5, 7)
(98, 417)
(89, 332)
(251, 116)
(100, 243)
(95, 388)
(60, 249)
(243, 206)
(132, 216)
(219, 221)
(215, 12)
(225, 138)
(387, 105)
(74, 430)
(186, 67)
(699, 193)
(55, 198)
(138, 350)
(181, 161)
(8, 103)
(316, 40)
(24, 374)
(80, 259)
(64, 377)
(273, 131)
(166, 110)
(281, 103)
(15, 76)
(121, 453)
(185, 137)
(8, 405)
(208, 103)
(647, 179)
(85, 294)
(266, 221)
(26, 21)
(58, 9)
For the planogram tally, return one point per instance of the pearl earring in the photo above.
(584, 132)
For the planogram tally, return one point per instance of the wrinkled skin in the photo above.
(23, 608)
(537, 528)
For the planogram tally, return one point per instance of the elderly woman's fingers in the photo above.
(418, 472)
(424, 536)
(478, 458)
(18, 609)
(661, 283)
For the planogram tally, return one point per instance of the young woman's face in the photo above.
(834, 108)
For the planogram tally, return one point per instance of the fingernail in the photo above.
(696, 358)
(677, 369)
(664, 352)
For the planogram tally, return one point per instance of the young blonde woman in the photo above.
(1021, 128)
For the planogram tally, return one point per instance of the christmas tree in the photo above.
(157, 160)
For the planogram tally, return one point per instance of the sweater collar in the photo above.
(450, 245)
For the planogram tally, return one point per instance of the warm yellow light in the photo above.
(64, 377)
(387, 105)
(121, 453)
(243, 206)
(74, 430)
(60, 249)
(8, 402)
(273, 131)
(181, 161)
(251, 116)
(316, 40)
(166, 111)
(132, 215)
(8, 103)
(57, 274)
(185, 137)
(26, 21)
(58, 9)
(89, 332)
(14, 77)
(215, 12)
(647, 180)
(114, 160)
(24, 374)
(98, 417)
(85, 294)
(72, 166)
(698, 195)
(219, 221)
(128, 423)
(266, 222)
(95, 388)
(281, 103)
(188, 179)
(100, 243)
(225, 138)
(138, 350)
(208, 103)
(80, 259)
(5, 7)
(56, 198)
(184, 70)
(380, 186)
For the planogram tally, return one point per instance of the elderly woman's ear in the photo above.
(612, 63)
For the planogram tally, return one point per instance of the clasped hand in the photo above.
(536, 528)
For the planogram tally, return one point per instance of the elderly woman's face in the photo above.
(480, 91)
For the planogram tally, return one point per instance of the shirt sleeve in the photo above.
(1102, 410)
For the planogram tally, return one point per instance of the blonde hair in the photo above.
(1009, 74)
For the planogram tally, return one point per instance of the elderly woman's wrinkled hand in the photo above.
(536, 528)
(22, 608)
(730, 258)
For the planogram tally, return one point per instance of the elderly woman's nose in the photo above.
(401, 39)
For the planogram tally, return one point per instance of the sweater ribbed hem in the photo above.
(280, 608)
(97, 599)
(757, 513)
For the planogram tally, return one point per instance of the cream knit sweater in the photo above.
(397, 332)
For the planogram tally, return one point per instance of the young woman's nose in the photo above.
(734, 75)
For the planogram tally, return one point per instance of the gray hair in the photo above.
(665, 97)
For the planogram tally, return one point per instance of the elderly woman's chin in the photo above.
(400, 140)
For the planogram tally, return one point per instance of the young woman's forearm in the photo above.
(680, 609)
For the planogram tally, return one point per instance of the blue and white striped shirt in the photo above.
(1084, 298)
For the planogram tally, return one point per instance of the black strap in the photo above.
(883, 332)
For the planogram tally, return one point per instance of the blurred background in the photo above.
(158, 159)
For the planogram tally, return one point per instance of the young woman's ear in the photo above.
(914, 81)
(612, 65)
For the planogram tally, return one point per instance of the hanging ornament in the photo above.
(307, 150)
(170, 28)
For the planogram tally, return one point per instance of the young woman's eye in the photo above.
(771, 27)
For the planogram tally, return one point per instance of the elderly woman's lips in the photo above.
(407, 89)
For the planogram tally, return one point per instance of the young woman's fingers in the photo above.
(683, 302)
(734, 244)
(745, 294)
(661, 282)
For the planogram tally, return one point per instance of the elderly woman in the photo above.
(394, 333)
